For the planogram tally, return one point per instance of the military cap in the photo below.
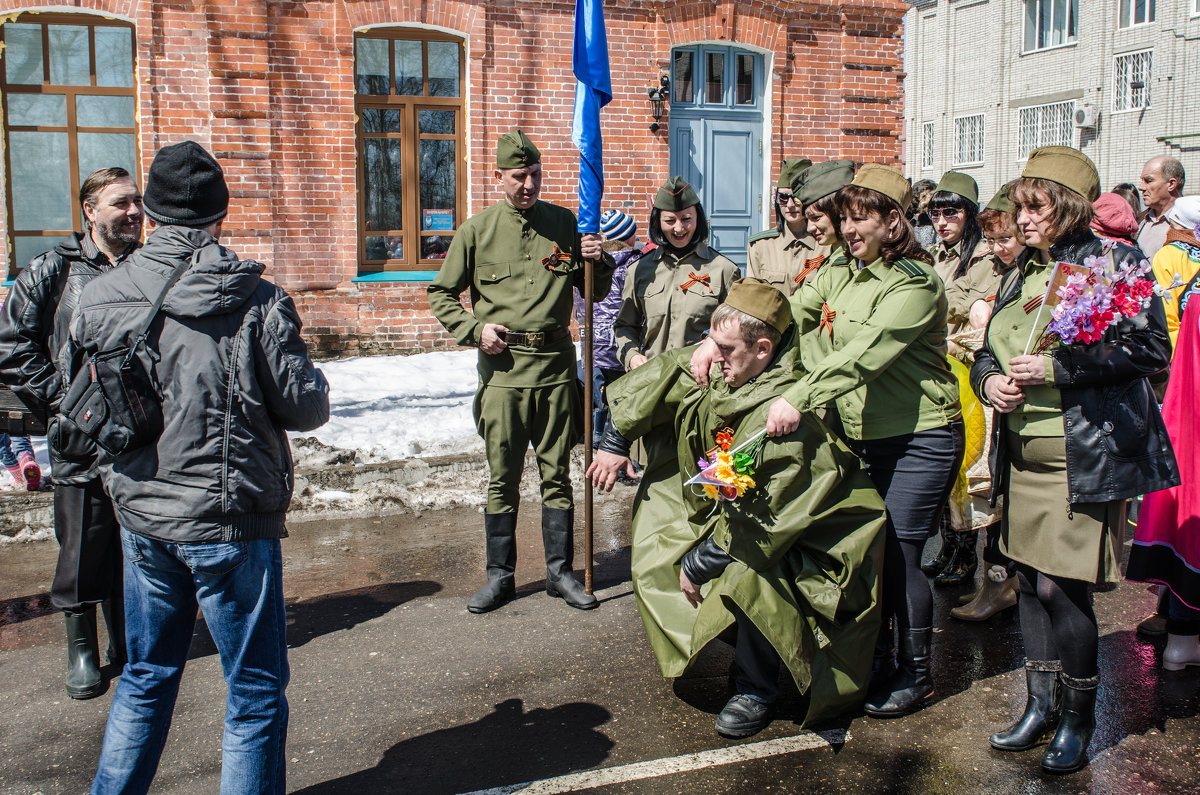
(675, 195)
(790, 170)
(760, 299)
(886, 180)
(822, 179)
(1001, 201)
(1068, 167)
(961, 184)
(515, 150)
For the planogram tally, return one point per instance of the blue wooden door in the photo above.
(716, 139)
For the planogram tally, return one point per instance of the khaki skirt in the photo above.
(1042, 530)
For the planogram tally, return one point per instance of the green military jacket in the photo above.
(946, 258)
(980, 283)
(874, 342)
(497, 255)
(667, 300)
(806, 541)
(780, 258)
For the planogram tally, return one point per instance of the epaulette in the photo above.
(911, 268)
(765, 235)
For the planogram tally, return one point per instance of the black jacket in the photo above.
(34, 328)
(1117, 444)
(234, 375)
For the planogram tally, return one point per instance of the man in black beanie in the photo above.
(202, 508)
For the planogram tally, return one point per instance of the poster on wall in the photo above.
(437, 219)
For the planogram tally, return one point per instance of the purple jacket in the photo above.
(604, 312)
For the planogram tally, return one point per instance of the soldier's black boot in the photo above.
(114, 621)
(501, 530)
(558, 535)
(911, 685)
(1042, 709)
(946, 553)
(961, 567)
(883, 662)
(1067, 752)
(83, 669)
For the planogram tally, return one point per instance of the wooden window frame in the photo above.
(72, 129)
(409, 106)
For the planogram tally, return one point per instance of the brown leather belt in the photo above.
(535, 339)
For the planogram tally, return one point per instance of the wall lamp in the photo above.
(658, 96)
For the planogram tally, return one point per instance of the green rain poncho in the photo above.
(806, 541)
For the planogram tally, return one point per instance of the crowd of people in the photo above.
(898, 361)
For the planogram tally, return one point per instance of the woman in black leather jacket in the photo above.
(1076, 433)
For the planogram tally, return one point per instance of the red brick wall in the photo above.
(268, 87)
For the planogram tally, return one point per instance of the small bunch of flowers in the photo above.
(725, 472)
(1096, 296)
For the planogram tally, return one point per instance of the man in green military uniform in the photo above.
(520, 259)
(787, 255)
(793, 561)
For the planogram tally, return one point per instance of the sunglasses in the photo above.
(785, 198)
(950, 213)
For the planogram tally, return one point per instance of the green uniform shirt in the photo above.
(1008, 335)
(664, 307)
(980, 283)
(780, 257)
(881, 355)
(497, 254)
(946, 258)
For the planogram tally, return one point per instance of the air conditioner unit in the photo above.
(1086, 117)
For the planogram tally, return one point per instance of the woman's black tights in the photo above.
(1057, 621)
(905, 587)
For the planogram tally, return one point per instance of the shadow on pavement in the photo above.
(24, 608)
(525, 746)
(311, 618)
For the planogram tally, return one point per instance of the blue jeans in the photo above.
(13, 446)
(601, 377)
(239, 588)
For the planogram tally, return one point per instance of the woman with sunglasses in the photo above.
(1076, 433)
(874, 326)
(787, 255)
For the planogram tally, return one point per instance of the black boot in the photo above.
(83, 669)
(944, 555)
(114, 621)
(1042, 709)
(911, 685)
(558, 536)
(501, 530)
(883, 662)
(1067, 752)
(962, 566)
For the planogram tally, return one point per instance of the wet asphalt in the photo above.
(397, 688)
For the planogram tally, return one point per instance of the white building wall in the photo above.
(964, 57)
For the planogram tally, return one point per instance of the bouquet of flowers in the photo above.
(1085, 300)
(726, 473)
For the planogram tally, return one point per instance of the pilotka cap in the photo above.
(1068, 167)
(761, 299)
(821, 179)
(675, 195)
(515, 150)
(961, 184)
(886, 180)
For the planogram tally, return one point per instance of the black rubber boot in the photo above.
(114, 621)
(962, 567)
(1067, 752)
(558, 536)
(83, 669)
(883, 662)
(501, 530)
(911, 685)
(945, 554)
(1042, 709)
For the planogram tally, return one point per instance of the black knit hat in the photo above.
(185, 187)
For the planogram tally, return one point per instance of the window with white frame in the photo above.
(1049, 23)
(1044, 125)
(1196, 8)
(968, 140)
(927, 145)
(1131, 80)
(1136, 12)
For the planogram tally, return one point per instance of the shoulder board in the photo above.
(765, 235)
(911, 268)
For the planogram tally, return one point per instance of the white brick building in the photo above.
(990, 80)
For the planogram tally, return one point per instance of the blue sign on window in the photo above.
(437, 219)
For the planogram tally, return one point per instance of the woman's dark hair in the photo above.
(857, 200)
(827, 205)
(972, 234)
(1130, 194)
(922, 189)
(659, 239)
(1070, 213)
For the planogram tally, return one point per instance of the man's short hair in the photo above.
(1173, 169)
(750, 327)
(97, 181)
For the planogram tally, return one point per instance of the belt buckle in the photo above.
(535, 339)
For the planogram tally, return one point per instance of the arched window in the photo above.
(70, 102)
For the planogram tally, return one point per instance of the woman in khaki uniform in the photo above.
(671, 292)
(787, 255)
(1077, 432)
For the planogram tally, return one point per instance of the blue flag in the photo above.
(593, 90)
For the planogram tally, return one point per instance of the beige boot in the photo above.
(1181, 651)
(998, 592)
